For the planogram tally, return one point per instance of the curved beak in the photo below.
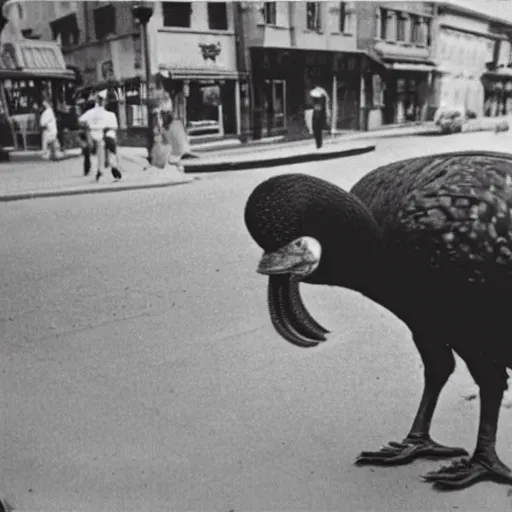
(286, 267)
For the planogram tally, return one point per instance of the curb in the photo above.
(82, 191)
(225, 165)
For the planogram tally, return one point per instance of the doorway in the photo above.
(274, 107)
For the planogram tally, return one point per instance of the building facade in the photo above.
(245, 68)
(400, 34)
(30, 71)
(497, 78)
(192, 49)
(289, 47)
(464, 48)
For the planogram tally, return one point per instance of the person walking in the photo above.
(48, 124)
(101, 128)
(320, 100)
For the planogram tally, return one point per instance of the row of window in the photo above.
(313, 16)
(175, 14)
(391, 25)
(178, 14)
(403, 27)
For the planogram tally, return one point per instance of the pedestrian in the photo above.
(48, 124)
(163, 116)
(101, 127)
(62, 129)
(320, 100)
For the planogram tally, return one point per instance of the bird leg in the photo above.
(485, 464)
(439, 364)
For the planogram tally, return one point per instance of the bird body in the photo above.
(430, 239)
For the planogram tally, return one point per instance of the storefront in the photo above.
(127, 99)
(373, 78)
(283, 78)
(207, 105)
(207, 101)
(497, 85)
(29, 72)
(405, 92)
(458, 88)
(276, 103)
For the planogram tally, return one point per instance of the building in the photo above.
(400, 34)
(30, 71)
(192, 47)
(469, 45)
(497, 78)
(288, 47)
(245, 68)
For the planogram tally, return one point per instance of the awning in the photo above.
(203, 73)
(410, 66)
(108, 84)
(372, 55)
(500, 73)
(28, 58)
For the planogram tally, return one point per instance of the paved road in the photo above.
(139, 370)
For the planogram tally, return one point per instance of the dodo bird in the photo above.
(428, 238)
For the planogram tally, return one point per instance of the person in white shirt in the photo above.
(102, 127)
(48, 124)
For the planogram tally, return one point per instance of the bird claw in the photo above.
(408, 450)
(465, 472)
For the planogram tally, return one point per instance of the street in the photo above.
(140, 371)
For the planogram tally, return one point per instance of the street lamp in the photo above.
(142, 13)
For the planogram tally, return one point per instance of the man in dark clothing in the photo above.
(320, 100)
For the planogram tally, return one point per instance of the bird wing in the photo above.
(448, 214)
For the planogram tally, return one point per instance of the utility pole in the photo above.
(142, 13)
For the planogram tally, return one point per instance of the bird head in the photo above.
(310, 231)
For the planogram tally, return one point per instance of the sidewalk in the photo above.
(28, 180)
(32, 179)
(224, 148)
(35, 178)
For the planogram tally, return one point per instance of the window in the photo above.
(401, 23)
(104, 21)
(136, 112)
(428, 30)
(415, 29)
(177, 14)
(66, 30)
(28, 33)
(344, 19)
(383, 23)
(313, 21)
(270, 13)
(217, 16)
(203, 113)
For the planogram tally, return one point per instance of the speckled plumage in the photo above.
(453, 209)
(430, 239)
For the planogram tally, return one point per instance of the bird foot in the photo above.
(465, 472)
(409, 449)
